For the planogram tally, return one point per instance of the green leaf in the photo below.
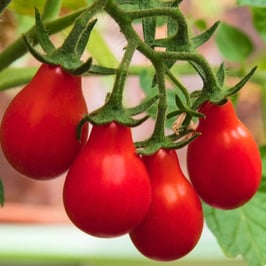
(242, 231)
(2, 194)
(259, 21)
(257, 3)
(233, 43)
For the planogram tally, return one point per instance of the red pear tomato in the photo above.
(224, 162)
(174, 222)
(107, 190)
(38, 130)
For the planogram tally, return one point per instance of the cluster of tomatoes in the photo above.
(109, 190)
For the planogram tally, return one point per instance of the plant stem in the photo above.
(158, 132)
(124, 20)
(122, 72)
(210, 80)
(51, 9)
(173, 13)
(18, 49)
(179, 85)
(13, 77)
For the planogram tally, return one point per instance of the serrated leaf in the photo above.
(259, 21)
(2, 197)
(233, 43)
(257, 3)
(242, 231)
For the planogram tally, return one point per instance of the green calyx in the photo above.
(69, 53)
(173, 141)
(114, 112)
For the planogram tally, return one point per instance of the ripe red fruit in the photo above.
(107, 190)
(224, 162)
(38, 130)
(174, 222)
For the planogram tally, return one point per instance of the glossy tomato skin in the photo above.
(107, 190)
(224, 162)
(174, 222)
(38, 130)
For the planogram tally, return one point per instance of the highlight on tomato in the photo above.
(174, 223)
(224, 162)
(107, 190)
(38, 130)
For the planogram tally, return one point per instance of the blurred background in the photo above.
(34, 228)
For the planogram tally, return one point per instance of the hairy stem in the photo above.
(122, 73)
(158, 132)
(210, 79)
(18, 48)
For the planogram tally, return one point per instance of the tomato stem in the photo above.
(158, 132)
(179, 85)
(121, 75)
(18, 48)
(209, 78)
(51, 9)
